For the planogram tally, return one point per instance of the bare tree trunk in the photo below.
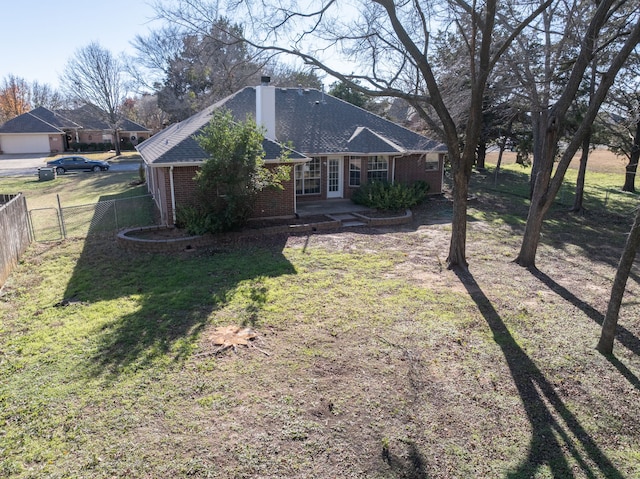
(458, 242)
(582, 173)
(632, 166)
(116, 134)
(548, 125)
(605, 345)
(578, 204)
(531, 237)
(536, 119)
(481, 155)
(502, 145)
(499, 161)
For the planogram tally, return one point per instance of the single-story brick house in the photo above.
(44, 131)
(338, 147)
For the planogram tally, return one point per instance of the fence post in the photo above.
(115, 213)
(64, 228)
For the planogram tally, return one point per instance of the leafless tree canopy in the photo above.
(93, 75)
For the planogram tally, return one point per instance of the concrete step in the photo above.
(351, 224)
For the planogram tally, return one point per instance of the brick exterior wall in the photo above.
(270, 203)
(281, 203)
(408, 169)
(274, 202)
(412, 168)
(56, 143)
(96, 136)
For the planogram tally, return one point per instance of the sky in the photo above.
(38, 37)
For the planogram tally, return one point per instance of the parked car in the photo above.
(68, 163)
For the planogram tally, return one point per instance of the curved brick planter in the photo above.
(129, 241)
(386, 221)
(133, 239)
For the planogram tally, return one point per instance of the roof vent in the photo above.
(265, 80)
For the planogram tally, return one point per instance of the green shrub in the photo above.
(229, 181)
(193, 219)
(383, 195)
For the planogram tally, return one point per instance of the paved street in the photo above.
(27, 165)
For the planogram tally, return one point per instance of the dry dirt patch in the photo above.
(600, 160)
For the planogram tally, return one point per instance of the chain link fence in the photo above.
(81, 221)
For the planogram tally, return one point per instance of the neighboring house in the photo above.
(338, 147)
(44, 131)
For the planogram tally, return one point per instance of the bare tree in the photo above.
(144, 110)
(624, 27)
(94, 76)
(44, 95)
(387, 45)
(621, 120)
(605, 345)
(155, 51)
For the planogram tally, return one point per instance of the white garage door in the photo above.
(10, 144)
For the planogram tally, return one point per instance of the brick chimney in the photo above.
(266, 107)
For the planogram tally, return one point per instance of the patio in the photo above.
(328, 207)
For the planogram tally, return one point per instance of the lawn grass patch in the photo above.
(372, 359)
(73, 189)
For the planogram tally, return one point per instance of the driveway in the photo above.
(27, 165)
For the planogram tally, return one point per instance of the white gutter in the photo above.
(173, 195)
(393, 168)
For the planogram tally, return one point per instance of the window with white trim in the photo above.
(355, 170)
(432, 162)
(308, 177)
(377, 168)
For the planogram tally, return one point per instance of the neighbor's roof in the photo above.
(43, 120)
(313, 122)
(92, 118)
(38, 120)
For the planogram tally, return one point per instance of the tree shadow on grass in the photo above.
(167, 299)
(157, 305)
(413, 466)
(623, 335)
(557, 433)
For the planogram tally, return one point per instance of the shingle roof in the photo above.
(176, 143)
(92, 118)
(38, 120)
(43, 120)
(313, 122)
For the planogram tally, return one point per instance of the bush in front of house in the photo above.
(387, 196)
(89, 147)
(229, 180)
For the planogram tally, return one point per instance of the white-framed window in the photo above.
(308, 177)
(355, 170)
(377, 168)
(431, 162)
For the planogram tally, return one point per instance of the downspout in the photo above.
(295, 195)
(441, 160)
(173, 195)
(393, 169)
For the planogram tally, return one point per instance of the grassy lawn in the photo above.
(372, 360)
(75, 188)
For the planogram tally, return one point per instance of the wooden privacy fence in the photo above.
(15, 234)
